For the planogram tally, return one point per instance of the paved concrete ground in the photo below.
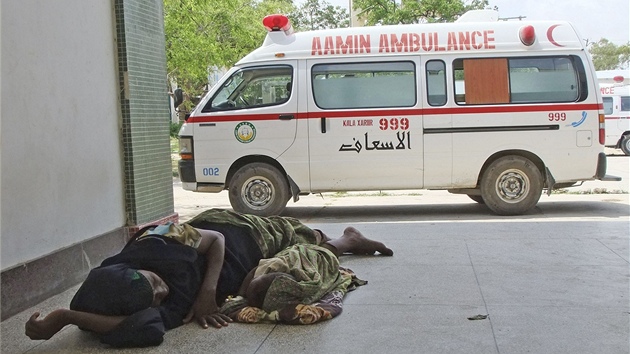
(553, 281)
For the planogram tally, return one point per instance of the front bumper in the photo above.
(186, 170)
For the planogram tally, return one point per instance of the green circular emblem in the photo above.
(245, 132)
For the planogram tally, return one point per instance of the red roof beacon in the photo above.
(277, 22)
(527, 35)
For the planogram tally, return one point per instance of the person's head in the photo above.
(273, 291)
(119, 290)
(158, 286)
(257, 289)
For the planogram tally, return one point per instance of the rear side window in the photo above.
(364, 85)
(625, 103)
(253, 87)
(436, 82)
(608, 105)
(519, 80)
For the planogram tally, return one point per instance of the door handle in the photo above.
(285, 116)
(323, 124)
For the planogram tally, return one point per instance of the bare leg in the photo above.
(352, 241)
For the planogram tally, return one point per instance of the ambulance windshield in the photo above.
(253, 87)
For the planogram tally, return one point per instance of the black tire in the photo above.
(511, 185)
(259, 189)
(624, 145)
(477, 198)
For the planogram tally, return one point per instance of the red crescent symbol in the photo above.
(550, 36)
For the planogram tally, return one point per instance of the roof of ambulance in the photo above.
(440, 38)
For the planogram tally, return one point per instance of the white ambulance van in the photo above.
(495, 110)
(615, 92)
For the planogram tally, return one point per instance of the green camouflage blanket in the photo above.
(272, 234)
(313, 293)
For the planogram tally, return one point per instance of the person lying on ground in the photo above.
(295, 286)
(175, 273)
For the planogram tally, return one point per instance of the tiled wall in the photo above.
(148, 181)
(145, 110)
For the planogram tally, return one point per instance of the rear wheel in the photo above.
(625, 144)
(511, 185)
(259, 189)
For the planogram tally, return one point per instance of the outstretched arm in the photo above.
(45, 328)
(205, 309)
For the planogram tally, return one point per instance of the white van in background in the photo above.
(615, 90)
(492, 109)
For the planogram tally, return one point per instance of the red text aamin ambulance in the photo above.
(495, 110)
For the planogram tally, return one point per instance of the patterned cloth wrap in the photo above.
(183, 233)
(314, 294)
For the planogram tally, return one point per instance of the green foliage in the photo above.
(175, 129)
(174, 156)
(608, 56)
(388, 12)
(206, 34)
(315, 14)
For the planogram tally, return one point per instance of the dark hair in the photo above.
(116, 290)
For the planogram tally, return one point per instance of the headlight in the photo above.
(186, 147)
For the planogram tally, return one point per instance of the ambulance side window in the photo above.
(544, 79)
(625, 103)
(481, 81)
(252, 88)
(436, 82)
(519, 80)
(364, 85)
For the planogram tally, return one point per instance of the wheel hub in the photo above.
(512, 186)
(258, 192)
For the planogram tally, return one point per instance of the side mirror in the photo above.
(178, 97)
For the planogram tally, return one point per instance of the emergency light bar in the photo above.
(277, 22)
(527, 35)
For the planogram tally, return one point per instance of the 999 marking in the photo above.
(557, 117)
(394, 123)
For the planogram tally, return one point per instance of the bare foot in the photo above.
(354, 242)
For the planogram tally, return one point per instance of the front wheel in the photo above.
(625, 145)
(476, 198)
(511, 185)
(259, 189)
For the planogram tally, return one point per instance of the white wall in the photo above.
(61, 173)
